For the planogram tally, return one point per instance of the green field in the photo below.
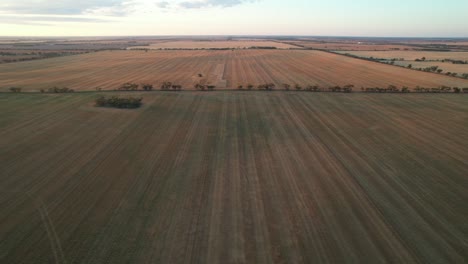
(234, 177)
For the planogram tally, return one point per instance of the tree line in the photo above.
(350, 88)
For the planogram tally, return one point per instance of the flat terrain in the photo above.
(214, 44)
(445, 66)
(352, 46)
(412, 55)
(110, 69)
(234, 177)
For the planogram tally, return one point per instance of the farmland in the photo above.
(445, 66)
(226, 69)
(214, 44)
(228, 177)
(412, 55)
(350, 46)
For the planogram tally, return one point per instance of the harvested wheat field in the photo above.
(214, 44)
(226, 69)
(412, 55)
(234, 177)
(350, 46)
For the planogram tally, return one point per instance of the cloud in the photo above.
(47, 20)
(106, 7)
(58, 7)
(211, 3)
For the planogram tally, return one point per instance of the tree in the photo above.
(392, 88)
(129, 87)
(15, 89)
(250, 86)
(348, 88)
(211, 87)
(410, 66)
(439, 70)
(297, 87)
(200, 87)
(286, 86)
(147, 87)
(176, 87)
(166, 85)
(240, 87)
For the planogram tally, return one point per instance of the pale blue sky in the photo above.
(397, 18)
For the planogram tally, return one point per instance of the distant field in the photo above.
(351, 46)
(445, 66)
(234, 177)
(216, 44)
(412, 55)
(225, 69)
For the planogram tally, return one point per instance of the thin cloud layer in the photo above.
(104, 7)
(62, 7)
(45, 12)
(211, 3)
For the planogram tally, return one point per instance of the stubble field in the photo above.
(225, 69)
(412, 55)
(224, 177)
(214, 44)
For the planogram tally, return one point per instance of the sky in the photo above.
(370, 18)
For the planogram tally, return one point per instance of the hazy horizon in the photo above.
(335, 18)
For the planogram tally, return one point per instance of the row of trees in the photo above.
(118, 102)
(204, 87)
(58, 90)
(149, 87)
(287, 87)
(171, 86)
(349, 88)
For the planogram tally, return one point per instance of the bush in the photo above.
(117, 102)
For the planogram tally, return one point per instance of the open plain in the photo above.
(214, 44)
(110, 69)
(234, 177)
